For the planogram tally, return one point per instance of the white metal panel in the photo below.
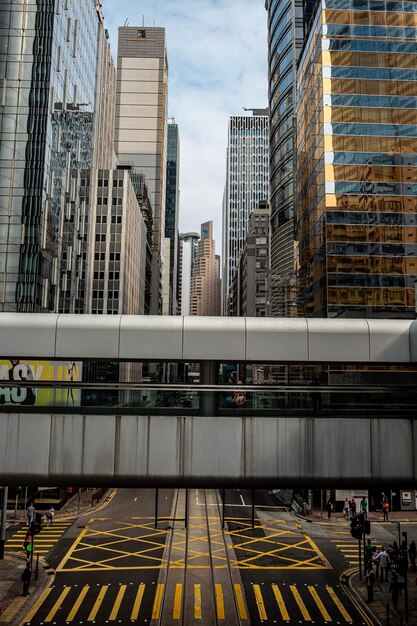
(165, 451)
(99, 447)
(132, 440)
(66, 450)
(389, 340)
(151, 337)
(24, 448)
(333, 340)
(26, 335)
(342, 448)
(276, 339)
(392, 450)
(214, 338)
(87, 336)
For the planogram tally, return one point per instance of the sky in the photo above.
(217, 57)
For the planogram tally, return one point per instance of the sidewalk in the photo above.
(14, 606)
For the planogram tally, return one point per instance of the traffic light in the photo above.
(36, 525)
(356, 529)
(367, 527)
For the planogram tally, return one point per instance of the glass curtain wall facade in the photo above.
(357, 160)
(247, 183)
(48, 62)
(285, 37)
(172, 210)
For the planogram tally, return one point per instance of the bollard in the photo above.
(37, 566)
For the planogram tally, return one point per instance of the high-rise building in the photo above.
(285, 38)
(48, 79)
(188, 245)
(356, 206)
(172, 196)
(249, 286)
(141, 122)
(247, 183)
(205, 290)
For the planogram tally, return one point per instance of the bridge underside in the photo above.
(157, 451)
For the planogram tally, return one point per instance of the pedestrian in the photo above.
(370, 580)
(26, 576)
(384, 563)
(364, 507)
(412, 554)
(395, 589)
(27, 545)
(30, 513)
(385, 508)
(346, 508)
(329, 507)
(50, 516)
(376, 561)
(368, 554)
(352, 508)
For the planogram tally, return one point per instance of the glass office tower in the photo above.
(356, 204)
(285, 37)
(172, 196)
(48, 61)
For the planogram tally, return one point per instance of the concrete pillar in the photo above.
(208, 399)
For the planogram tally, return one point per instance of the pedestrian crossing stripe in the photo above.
(86, 603)
(43, 541)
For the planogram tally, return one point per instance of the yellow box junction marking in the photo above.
(78, 603)
(219, 601)
(300, 603)
(158, 601)
(319, 603)
(197, 601)
(339, 605)
(240, 601)
(280, 602)
(259, 602)
(117, 603)
(138, 602)
(97, 604)
(176, 614)
(57, 605)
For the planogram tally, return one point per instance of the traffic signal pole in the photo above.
(360, 558)
(3, 522)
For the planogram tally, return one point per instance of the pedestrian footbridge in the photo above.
(172, 401)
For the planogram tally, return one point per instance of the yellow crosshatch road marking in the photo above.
(106, 545)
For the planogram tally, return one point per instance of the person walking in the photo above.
(376, 561)
(364, 507)
(385, 508)
(30, 513)
(28, 545)
(329, 507)
(370, 580)
(26, 576)
(394, 590)
(412, 554)
(346, 508)
(352, 506)
(50, 516)
(384, 563)
(368, 550)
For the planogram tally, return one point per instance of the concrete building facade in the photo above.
(247, 183)
(141, 125)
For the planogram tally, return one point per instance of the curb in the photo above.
(364, 608)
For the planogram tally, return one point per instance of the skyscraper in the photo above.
(356, 206)
(141, 122)
(205, 291)
(247, 183)
(188, 245)
(48, 80)
(172, 197)
(285, 38)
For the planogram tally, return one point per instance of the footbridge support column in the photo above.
(209, 375)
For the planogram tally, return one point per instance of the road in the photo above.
(110, 568)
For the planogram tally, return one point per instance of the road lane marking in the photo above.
(117, 603)
(300, 603)
(197, 601)
(138, 602)
(280, 602)
(219, 601)
(37, 605)
(57, 605)
(78, 603)
(319, 603)
(158, 601)
(176, 614)
(339, 605)
(259, 602)
(240, 601)
(97, 604)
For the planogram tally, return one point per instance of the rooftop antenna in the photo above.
(126, 22)
(143, 20)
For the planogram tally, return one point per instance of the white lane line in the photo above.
(243, 502)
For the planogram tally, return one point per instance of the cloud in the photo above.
(217, 55)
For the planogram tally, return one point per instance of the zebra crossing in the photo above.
(348, 546)
(44, 541)
(271, 603)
